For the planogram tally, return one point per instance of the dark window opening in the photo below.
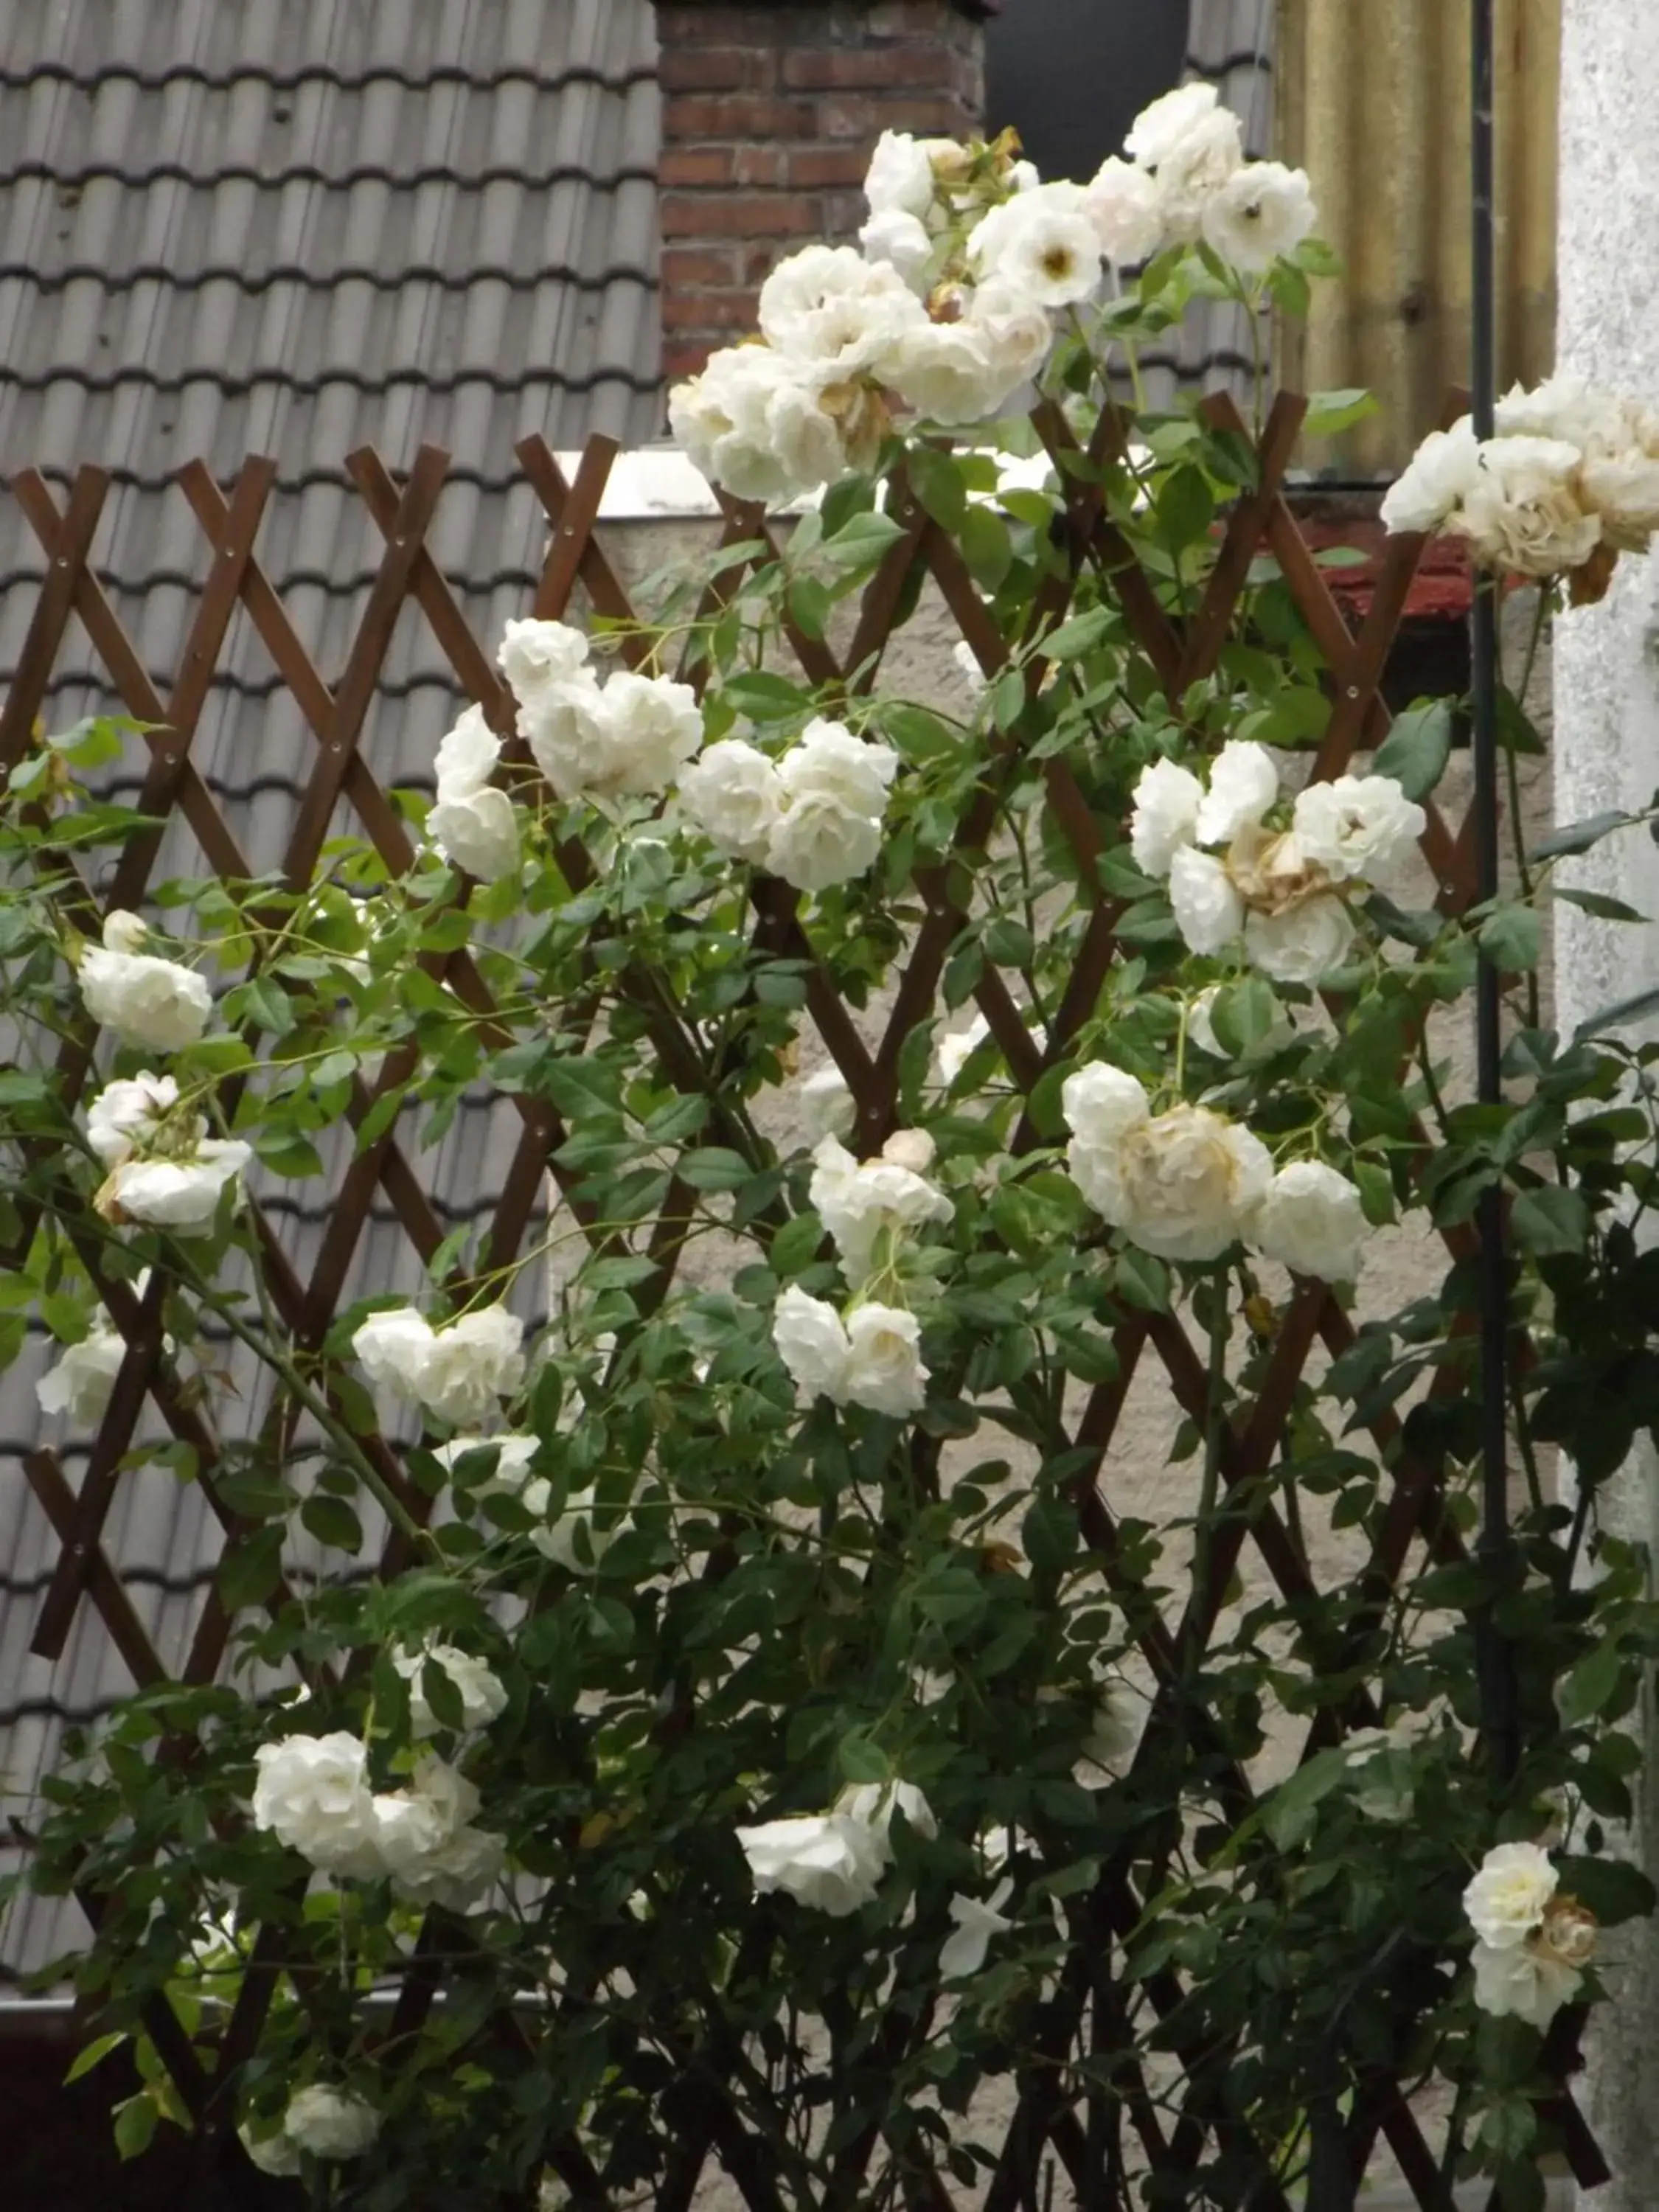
(1071, 75)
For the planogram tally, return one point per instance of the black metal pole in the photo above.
(1497, 1698)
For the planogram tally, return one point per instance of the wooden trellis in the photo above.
(1182, 652)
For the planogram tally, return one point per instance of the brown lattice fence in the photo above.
(340, 787)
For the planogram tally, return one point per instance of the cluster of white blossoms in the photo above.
(1189, 1183)
(82, 1378)
(165, 1171)
(1570, 481)
(1532, 1947)
(455, 1372)
(835, 1860)
(1281, 893)
(472, 822)
(573, 1538)
(948, 309)
(318, 2122)
(868, 1354)
(626, 737)
(313, 1795)
(813, 817)
(158, 1004)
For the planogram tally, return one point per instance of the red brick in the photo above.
(701, 117)
(856, 68)
(758, 262)
(717, 69)
(708, 311)
(725, 27)
(940, 19)
(849, 116)
(697, 165)
(739, 215)
(818, 165)
(712, 265)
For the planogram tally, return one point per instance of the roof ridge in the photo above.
(295, 272)
(49, 70)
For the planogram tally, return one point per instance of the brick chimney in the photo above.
(770, 108)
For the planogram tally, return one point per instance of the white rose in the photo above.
(1358, 826)
(1528, 1983)
(1243, 785)
(654, 725)
(1311, 1222)
(1167, 122)
(1123, 202)
(823, 1860)
(313, 1794)
(1200, 1028)
(1167, 799)
(471, 1363)
(79, 1384)
(1044, 244)
(953, 1050)
(861, 1205)
(392, 1348)
(753, 422)
(1015, 327)
(952, 373)
(1102, 1105)
(575, 1540)
(411, 1823)
(331, 2123)
(1302, 945)
(838, 314)
(173, 1193)
(872, 1804)
(1623, 489)
(457, 1874)
(733, 794)
(835, 788)
(1564, 406)
(900, 177)
(1208, 910)
(827, 1106)
(909, 1148)
(1195, 170)
(812, 1342)
(478, 834)
(564, 726)
(534, 656)
(482, 1697)
(147, 1001)
(277, 2154)
(512, 1458)
(1189, 1184)
(470, 752)
(963, 1952)
(892, 235)
(128, 1113)
(886, 1373)
(1261, 211)
(1507, 1897)
(1439, 477)
(1524, 514)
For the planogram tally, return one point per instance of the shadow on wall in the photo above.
(1071, 75)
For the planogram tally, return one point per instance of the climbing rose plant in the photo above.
(754, 1719)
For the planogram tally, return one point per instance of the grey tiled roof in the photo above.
(294, 226)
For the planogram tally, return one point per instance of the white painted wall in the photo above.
(1607, 755)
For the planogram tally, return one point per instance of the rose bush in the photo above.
(746, 1624)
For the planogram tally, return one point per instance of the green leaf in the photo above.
(1590, 1685)
(809, 605)
(937, 484)
(764, 697)
(1416, 749)
(251, 1567)
(267, 1004)
(1598, 903)
(1331, 412)
(1185, 507)
(1619, 1015)
(1288, 1814)
(136, 2119)
(1376, 1188)
(861, 540)
(332, 1522)
(860, 1760)
(1008, 698)
(93, 2055)
(443, 1693)
(1579, 836)
(1511, 937)
(986, 547)
(1549, 1220)
(1245, 1015)
(1141, 1280)
(1613, 1890)
(714, 1167)
(1080, 635)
